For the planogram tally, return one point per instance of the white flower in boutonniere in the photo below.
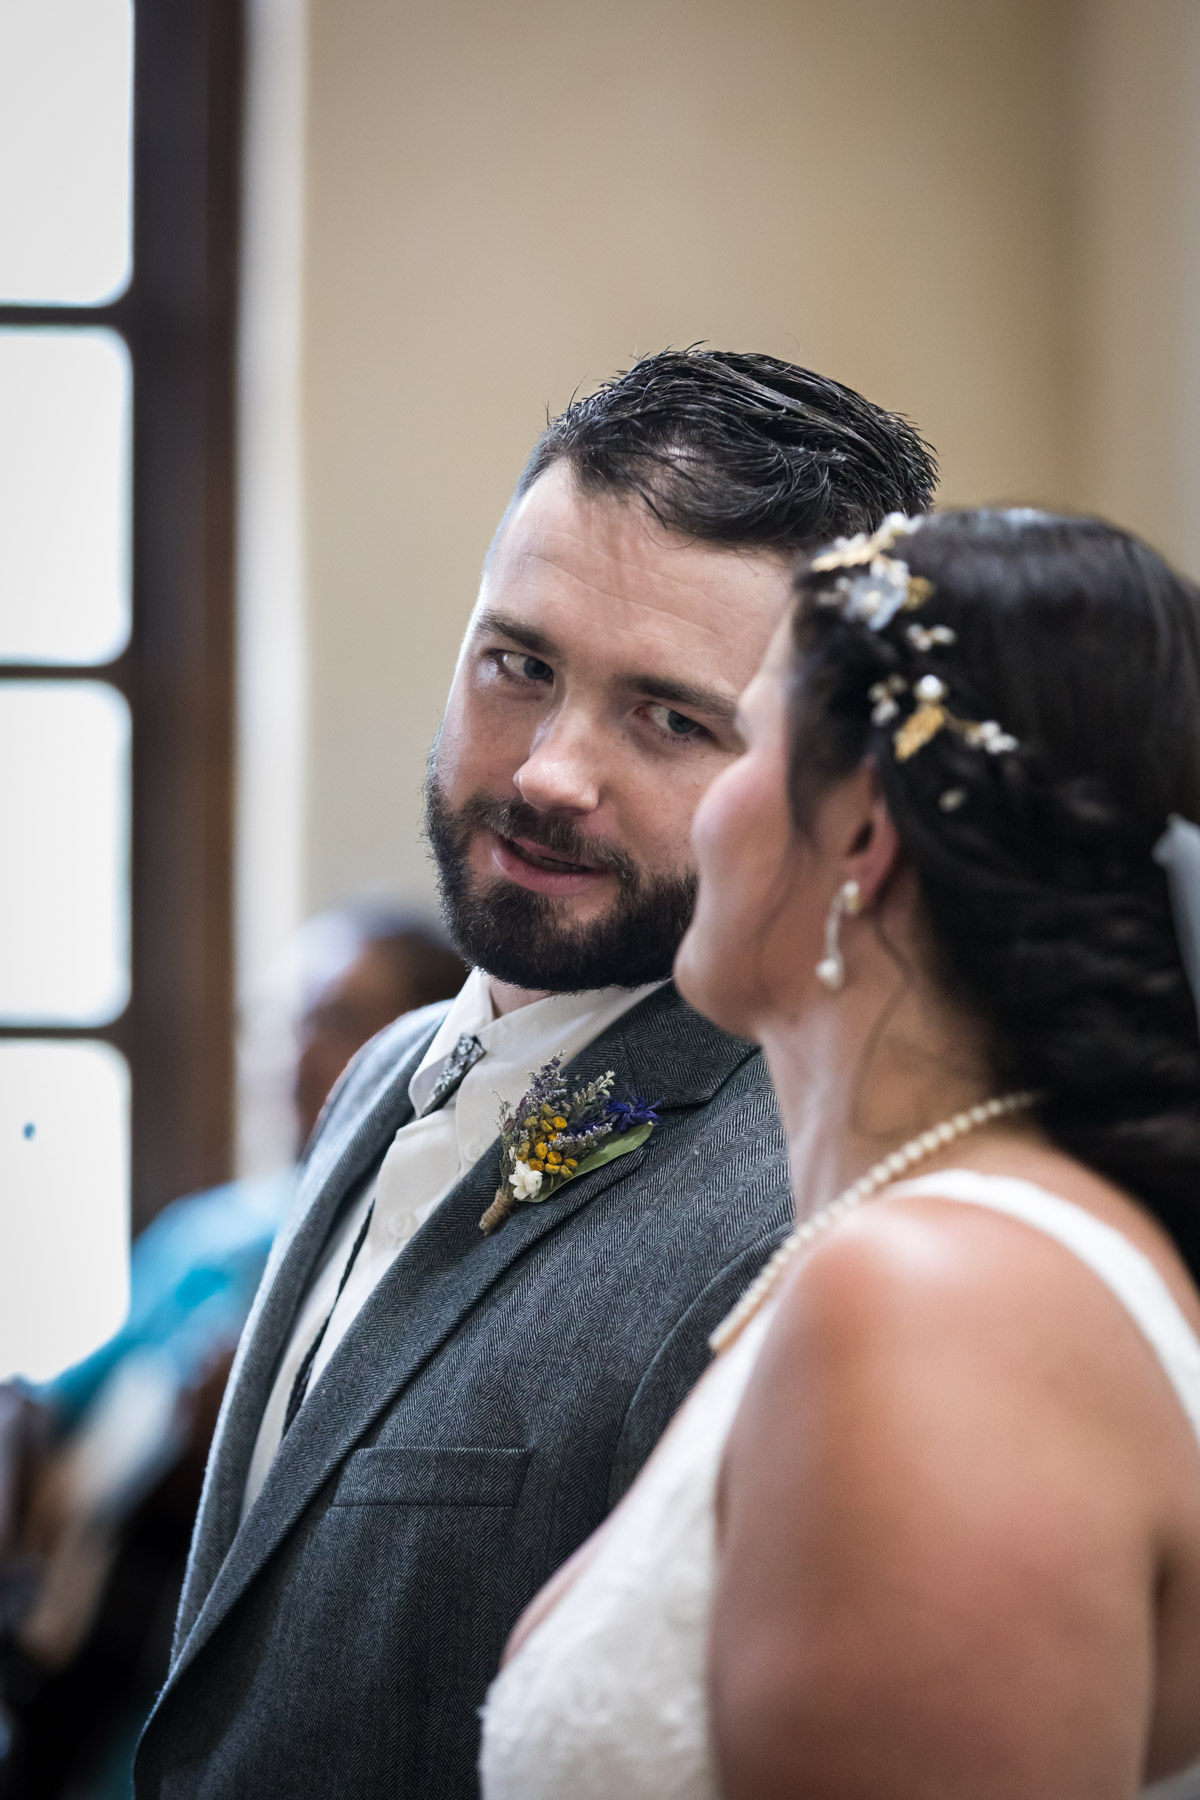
(551, 1136)
(525, 1182)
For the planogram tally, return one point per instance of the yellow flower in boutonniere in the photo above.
(552, 1136)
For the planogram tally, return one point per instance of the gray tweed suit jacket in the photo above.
(492, 1401)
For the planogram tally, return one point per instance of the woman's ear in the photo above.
(875, 848)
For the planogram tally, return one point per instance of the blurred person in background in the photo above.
(461, 1358)
(101, 1469)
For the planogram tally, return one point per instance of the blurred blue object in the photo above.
(193, 1276)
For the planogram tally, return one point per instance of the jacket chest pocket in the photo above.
(432, 1475)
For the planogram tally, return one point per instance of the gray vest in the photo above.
(492, 1401)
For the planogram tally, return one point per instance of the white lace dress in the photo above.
(606, 1699)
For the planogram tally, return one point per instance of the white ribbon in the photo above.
(1178, 850)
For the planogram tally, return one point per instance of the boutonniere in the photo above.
(551, 1136)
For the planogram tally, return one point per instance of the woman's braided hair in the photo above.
(1048, 916)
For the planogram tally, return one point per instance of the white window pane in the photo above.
(65, 95)
(64, 1203)
(64, 495)
(64, 825)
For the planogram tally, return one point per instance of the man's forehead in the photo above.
(608, 561)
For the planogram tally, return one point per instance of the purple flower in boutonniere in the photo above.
(551, 1136)
(634, 1111)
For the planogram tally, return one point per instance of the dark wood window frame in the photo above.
(179, 318)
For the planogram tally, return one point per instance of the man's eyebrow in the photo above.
(684, 694)
(536, 642)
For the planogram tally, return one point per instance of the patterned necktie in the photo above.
(462, 1059)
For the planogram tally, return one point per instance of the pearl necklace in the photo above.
(882, 1175)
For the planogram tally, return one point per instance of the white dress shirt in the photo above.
(427, 1159)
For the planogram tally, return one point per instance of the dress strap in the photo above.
(1124, 1269)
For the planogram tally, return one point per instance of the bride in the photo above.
(930, 1525)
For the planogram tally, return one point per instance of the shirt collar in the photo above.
(527, 1037)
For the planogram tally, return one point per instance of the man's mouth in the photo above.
(545, 871)
(541, 858)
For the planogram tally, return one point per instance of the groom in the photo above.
(424, 1421)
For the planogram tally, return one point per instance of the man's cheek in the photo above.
(479, 855)
(490, 747)
(663, 845)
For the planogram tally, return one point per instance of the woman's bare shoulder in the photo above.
(918, 1257)
(948, 1434)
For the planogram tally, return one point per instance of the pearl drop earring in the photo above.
(846, 903)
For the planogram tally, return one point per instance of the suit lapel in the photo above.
(661, 1048)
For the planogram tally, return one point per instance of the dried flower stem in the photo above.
(500, 1209)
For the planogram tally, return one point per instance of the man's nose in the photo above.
(561, 772)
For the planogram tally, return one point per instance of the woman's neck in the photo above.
(868, 1072)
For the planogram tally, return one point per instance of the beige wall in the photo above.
(935, 200)
(1137, 162)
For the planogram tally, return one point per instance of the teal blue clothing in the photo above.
(193, 1275)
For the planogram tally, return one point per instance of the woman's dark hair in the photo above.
(740, 450)
(1048, 915)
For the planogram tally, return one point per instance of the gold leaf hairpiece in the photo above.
(850, 552)
(932, 715)
(877, 587)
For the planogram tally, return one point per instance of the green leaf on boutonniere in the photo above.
(616, 1146)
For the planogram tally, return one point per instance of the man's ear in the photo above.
(875, 849)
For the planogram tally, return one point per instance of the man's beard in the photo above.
(521, 937)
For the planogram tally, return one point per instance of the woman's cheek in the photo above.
(720, 820)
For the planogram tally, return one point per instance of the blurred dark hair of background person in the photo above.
(399, 957)
(100, 1469)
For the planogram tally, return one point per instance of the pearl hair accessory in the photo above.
(846, 903)
(876, 586)
(881, 1176)
(872, 588)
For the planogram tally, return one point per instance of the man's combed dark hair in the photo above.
(740, 450)
(1048, 916)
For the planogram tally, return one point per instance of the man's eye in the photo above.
(675, 724)
(524, 667)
